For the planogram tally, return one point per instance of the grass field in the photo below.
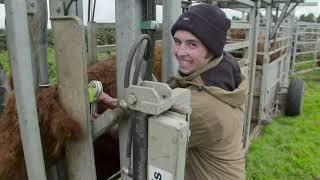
(290, 147)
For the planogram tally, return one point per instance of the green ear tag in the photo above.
(92, 93)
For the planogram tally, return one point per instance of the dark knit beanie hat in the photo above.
(208, 23)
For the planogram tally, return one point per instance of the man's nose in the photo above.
(181, 50)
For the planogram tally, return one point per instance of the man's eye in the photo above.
(192, 45)
(177, 42)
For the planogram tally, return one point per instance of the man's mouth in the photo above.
(185, 62)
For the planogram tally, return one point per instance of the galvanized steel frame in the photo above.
(305, 28)
(21, 64)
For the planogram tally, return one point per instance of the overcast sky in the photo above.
(105, 11)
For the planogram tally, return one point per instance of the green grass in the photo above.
(290, 147)
(51, 62)
(4, 60)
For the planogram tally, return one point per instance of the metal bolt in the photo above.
(58, 9)
(131, 99)
(123, 104)
(126, 171)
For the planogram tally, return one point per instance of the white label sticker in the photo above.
(155, 173)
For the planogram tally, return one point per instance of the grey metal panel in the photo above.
(171, 12)
(167, 144)
(128, 19)
(21, 64)
(71, 58)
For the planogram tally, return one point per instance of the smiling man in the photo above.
(218, 92)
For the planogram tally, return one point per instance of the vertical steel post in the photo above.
(295, 46)
(41, 34)
(92, 42)
(265, 66)
(128, 20)
(254, 29)
(140, 145)
(20, 50)
(71, 56)
(171, 12)
(286, 68)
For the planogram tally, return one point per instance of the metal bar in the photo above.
(171, 12)
(239, 2)
(20, 50)
(107, 48)
(246, 2)
(92, 42)
(254, 21)
(267, 1)
(140, 145)
(106, 25)
(306, 52)
(279, 20)
(308, 4)
(284, 1)
(274, 51)
(303, 62)
(42, 41)
(278, 39)
(316, 33)
(238, 25)
(112, 47)
(294, 50)
(149, 14)
(238, 45)
(71, 58)
(128, 29)
(303, 71)
(306, 42)
(105, 121)
(266, 60)
(286, 68)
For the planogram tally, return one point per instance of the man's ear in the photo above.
(209, 56)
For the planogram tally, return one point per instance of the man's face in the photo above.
(190, 53)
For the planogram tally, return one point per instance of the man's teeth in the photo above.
(185, 62)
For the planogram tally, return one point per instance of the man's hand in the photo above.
(108, 100)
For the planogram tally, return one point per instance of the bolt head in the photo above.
(131, 99)
(58, 9)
